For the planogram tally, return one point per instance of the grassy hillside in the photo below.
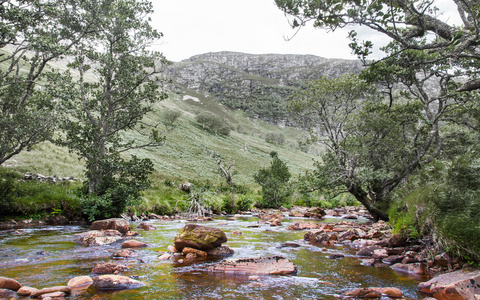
(185, 154)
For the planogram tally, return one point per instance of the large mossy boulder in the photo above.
(199, 237)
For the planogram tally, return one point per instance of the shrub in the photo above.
(275, 138)
(245, 202)
(213, 123)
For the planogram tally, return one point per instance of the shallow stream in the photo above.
(47, 256)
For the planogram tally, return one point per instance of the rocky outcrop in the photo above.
(245, 81)
(199, 237)
(272, 265)
(116, 282)
(121, 225)
(459, 285)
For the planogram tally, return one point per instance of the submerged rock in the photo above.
(116, 282)
(272, 265)
(119, 224)
(124, 253)
(146, 226)
(220, 251)
(199, 237)
(374, 292)
(459, 285)
(9, 284)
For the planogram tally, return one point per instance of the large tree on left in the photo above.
(34, 33)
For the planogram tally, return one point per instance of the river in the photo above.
(47, 256)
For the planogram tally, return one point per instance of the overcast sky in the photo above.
(193, 27)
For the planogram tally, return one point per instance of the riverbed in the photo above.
(47, 256)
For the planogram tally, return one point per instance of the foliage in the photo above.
(245, 202)
(274, 181)
(170, 116)
(34, 33)
(275, 138)
(414, 26)
(213, 123)
(101, 111)
(443, 201)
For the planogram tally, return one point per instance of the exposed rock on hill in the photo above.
(257, 84)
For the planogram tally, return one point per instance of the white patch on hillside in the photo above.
(187, 97)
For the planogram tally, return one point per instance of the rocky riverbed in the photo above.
(332, 254)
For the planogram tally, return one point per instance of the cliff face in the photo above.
(257, 84)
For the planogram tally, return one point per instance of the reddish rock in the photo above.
(146, 226)
(350, 234)
(350, 217)
(124, 253)
(108, 268)
(121, 225)
(316, 212)
(364, 293)
(199, 237)
(80, 282)
(7, 294)
(303, 225)
(415, 268)
(97, 237)
(380, 254)
(458, 285)
(273, 265)
(131, 233)
(9, 284)
(134, 244)
(197, 252)
(26, 291)
(220, 251)
(172, 249)
(165, 256)
(394, 259)
(367, 251)
(53, 295)
(116, 282)
(237, 232)
(317, 236)
(64, 289)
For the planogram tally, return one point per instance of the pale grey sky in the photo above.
(193, 27)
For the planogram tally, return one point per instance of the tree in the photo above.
(372, 145)
(274, 182)
(214, 123)
(104, 108)
(34, 33)
(415, 25)
(170, 116)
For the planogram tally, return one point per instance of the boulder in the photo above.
(273, 265)
(172, 249)
(26, 291)
(116, 282)
(134, 244)
(64, 289)
(9, 284)
(80, 282)
(165, 256)
(397, 240)
(97, 237)
(458, 285)
(220, 251)
(53, 295)
(315, 212)
(119, 224)
(146, 226)
(199, 237)
(108, 268)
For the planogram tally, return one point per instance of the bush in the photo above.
(214, 123)
(443, 201)
(245, 202)
(274, 182)
(275, 138)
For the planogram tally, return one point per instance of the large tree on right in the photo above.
(416, 25)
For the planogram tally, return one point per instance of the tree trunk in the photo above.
(363, 198)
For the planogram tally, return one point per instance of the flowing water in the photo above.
(47, 256)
